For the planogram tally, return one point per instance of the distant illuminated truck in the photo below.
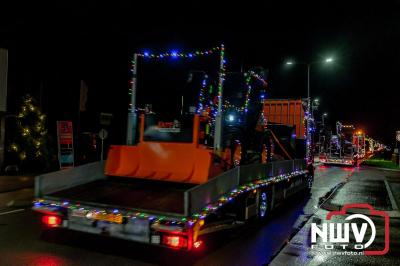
(359, 144)
(341, 148)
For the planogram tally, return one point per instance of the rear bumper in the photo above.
(338, 162)
(141, 228)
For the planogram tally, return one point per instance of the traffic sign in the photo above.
(103, 134)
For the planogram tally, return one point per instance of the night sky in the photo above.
(52, 48)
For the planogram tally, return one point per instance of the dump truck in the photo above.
(286, 123)
(172, 188)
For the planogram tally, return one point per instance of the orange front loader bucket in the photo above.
(177, 162)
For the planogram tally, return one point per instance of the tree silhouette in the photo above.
(30, 140)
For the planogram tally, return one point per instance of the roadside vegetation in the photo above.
(378, 162)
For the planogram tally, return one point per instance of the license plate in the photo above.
(138, 227)
(137, 230)
(106, 217)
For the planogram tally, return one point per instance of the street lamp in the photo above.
(314, 106)
(327, 60)
(323, 116)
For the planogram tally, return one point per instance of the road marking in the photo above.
(13, 211)
(392, 200)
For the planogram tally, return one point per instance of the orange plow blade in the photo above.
(176, 162)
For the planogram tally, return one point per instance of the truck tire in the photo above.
(264, 204)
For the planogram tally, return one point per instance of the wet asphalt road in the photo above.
(364, 185)
(22, 242)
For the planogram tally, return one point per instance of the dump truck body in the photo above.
(286, 112)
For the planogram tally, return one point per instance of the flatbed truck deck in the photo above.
(168, 214)
(130, 193)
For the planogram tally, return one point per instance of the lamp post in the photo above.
(308, 131)
(323, 118)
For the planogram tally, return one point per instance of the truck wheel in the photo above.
(263, 205)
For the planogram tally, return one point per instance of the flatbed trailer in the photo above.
(169, 187)
(173, 215)
(130, 193)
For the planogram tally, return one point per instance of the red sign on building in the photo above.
(65, 136)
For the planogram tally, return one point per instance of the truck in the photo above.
(347, 147)
(173, 187)
(359, 142)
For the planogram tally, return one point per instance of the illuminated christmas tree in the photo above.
(30, 141)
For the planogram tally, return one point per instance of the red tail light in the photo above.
(175, 241)
(51, 220)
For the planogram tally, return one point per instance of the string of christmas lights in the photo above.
(246, 102)
(132, 83)
(222, 77)
(176, 54)
(49, 205)
(307, 136)
(172, 54)
(201, 105)
(249, 76)
(31, 125)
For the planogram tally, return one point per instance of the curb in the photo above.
(15, 189)
(380, 168)
(295, 231)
